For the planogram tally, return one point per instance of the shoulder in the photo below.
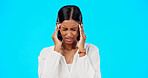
(91, 48)
(45, 51)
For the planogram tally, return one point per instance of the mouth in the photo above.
(69, 39)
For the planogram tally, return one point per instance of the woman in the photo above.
(70, 57)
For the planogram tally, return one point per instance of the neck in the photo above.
(69, 46)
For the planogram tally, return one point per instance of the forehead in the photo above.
(69, 23)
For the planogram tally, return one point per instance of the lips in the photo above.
(69, 39)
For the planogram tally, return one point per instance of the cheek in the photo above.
(63, 32)
(75, 33)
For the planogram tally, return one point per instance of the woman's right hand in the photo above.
(56, 41)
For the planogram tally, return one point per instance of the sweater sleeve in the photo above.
(89, 65)
(48, 63)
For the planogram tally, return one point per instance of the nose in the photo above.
(69, 34)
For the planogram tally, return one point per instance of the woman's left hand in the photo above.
(81, 42)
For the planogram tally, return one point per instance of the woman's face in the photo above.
(69, 31)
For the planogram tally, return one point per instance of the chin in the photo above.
(69, 42)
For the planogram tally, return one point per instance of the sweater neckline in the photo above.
(72, 64)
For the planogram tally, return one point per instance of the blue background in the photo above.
(119, 28)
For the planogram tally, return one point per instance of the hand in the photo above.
(56, 41)
(81, 42)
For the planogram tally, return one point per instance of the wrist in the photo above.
(57, 49)
(82, 52)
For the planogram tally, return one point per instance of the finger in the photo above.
(80, 27)
(84, 36)
(59, 26)
(56, 30)
(80, 30)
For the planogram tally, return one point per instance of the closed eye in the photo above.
(74, 30)
(64, 30)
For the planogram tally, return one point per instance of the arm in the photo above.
(89, 65)
(48, 63)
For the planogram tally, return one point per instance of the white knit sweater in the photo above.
(53, 64)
